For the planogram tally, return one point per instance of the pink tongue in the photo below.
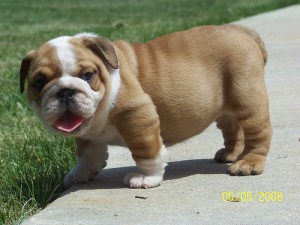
(68, 122)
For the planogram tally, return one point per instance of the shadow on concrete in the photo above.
(185, 168)
(113, 178)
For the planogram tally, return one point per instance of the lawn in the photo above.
(32, 161)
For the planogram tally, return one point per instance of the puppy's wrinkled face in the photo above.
(67, 81)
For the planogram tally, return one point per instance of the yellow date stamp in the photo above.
(249, 196)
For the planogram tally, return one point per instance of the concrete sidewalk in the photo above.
(192, 190)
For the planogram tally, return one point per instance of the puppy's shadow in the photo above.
(185, 168)
(113, 178)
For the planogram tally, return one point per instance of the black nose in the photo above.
(65, 95)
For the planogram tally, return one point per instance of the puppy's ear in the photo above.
(104, 49)
(25, 69)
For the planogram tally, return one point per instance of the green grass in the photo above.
(33, 162)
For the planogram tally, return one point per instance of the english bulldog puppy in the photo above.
(145, 95)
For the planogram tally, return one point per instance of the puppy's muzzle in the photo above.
(65, 95)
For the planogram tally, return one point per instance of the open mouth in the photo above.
(68, 122)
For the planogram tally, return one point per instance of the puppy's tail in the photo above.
(255, 36)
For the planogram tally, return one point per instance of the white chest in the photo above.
(109, 135)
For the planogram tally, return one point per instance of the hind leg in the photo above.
(252, 111)
(233, 138)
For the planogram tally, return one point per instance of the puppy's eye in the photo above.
(88, 76)
(40, 83)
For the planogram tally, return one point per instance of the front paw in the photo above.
(79, 175)
(250, 164)
(139, 180)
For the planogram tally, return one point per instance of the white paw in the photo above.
(138, 180)
(79, 175)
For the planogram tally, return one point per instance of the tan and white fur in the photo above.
(144, 95)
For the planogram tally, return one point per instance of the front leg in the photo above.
(139, 125)
(150, 171)
(91, 159)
